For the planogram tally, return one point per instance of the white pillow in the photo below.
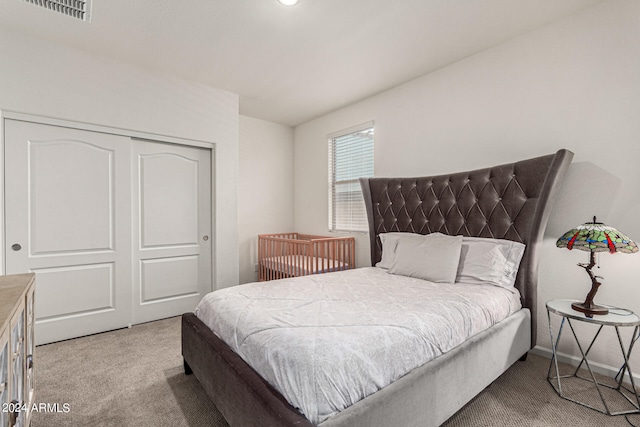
(434, 257)
(489, 261)
(389, 243)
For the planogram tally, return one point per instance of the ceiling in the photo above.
(291, 64)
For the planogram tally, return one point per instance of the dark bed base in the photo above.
(239, 393)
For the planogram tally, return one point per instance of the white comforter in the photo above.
(327, 341)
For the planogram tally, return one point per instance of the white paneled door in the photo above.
(114, 228)
(68, 218)
(172, 229)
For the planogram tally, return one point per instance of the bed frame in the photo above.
(285, 255)
(511, 201)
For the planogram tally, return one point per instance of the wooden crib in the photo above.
(293, 254)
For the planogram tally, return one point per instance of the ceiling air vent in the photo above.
(79, 9)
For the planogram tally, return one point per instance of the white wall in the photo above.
(42, 78)
(265, 188)
(573, 84)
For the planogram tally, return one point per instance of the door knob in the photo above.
(16, 247)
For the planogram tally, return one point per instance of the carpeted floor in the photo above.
(134, 377)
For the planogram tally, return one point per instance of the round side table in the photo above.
(563, 308)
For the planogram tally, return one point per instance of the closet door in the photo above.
(68, 218)
(171, 229)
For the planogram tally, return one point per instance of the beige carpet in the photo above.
(134, 377)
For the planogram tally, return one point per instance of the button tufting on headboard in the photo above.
(511, 201)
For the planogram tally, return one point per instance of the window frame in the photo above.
(333, 223)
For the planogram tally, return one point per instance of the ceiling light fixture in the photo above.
(288, 2)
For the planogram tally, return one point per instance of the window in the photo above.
(350, 158)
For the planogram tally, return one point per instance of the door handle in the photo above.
(16, 247)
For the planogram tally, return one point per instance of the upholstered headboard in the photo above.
(511, 201)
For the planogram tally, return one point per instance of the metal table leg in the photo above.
(626, 368)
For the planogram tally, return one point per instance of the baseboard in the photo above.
(599, 368)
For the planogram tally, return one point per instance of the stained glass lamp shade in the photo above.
(595, 237)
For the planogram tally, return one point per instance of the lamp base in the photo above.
(589, 309)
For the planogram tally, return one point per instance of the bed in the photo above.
(508, 202)
(284, 255)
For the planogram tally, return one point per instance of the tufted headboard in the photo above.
(511, 201)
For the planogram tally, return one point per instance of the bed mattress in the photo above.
(327, 341)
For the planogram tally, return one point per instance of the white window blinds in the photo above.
(350, 158)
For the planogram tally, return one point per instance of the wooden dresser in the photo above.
(17, 347)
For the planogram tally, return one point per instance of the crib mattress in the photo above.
(303, 265)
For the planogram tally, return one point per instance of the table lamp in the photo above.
(594, 237)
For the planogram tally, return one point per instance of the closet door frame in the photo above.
(13, 115)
